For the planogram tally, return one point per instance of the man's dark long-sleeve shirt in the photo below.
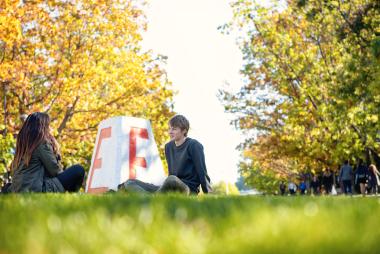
(187, 162)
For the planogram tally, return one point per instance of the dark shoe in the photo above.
(174, 184)
(6, 188)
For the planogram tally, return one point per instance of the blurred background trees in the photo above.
(80, 62)
(311, 95)
(225, 188)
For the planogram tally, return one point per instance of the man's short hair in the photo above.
(181, 122)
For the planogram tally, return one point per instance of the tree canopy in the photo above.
(80, 62)
(311, 96)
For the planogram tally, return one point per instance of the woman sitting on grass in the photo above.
(36, 166)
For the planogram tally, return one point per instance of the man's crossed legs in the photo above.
(171, 184)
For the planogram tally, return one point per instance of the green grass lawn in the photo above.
(121, 223)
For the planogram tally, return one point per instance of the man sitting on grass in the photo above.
(186, 162)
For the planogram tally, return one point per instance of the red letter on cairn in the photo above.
(104, 133)
(133, 160)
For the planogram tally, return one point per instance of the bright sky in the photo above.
(200, 61)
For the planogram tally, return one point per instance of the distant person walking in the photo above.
(282, 188)
(292, 188)
(327, 180)
(361, 175)
(302, 187)
(36, 166)
(345, 176)
(373, 179)
(315, 185)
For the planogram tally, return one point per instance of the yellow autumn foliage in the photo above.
(81, 62)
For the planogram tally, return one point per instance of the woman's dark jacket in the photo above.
(40, 174)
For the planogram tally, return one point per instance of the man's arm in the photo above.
(198, 158)
(167, 158)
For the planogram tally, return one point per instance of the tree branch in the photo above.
(69, 113)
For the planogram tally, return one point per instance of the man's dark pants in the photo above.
(171, 184)
(347, 186)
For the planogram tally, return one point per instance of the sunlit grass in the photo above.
(120, 223)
